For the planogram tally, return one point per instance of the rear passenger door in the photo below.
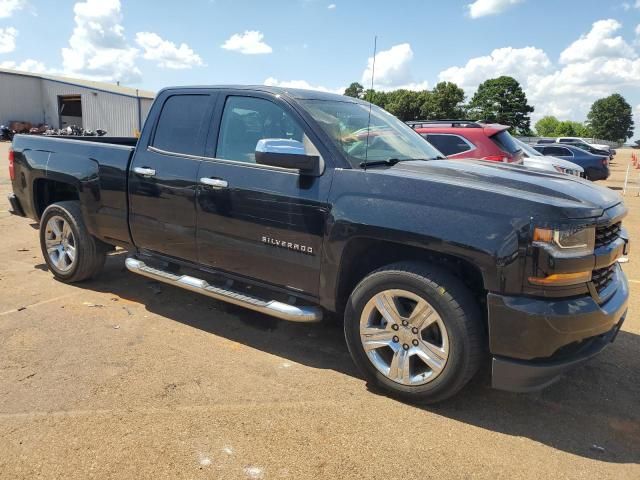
(163, 175)
(256, 221)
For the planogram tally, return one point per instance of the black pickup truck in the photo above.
(297, 204)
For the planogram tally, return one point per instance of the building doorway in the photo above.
(70, 110)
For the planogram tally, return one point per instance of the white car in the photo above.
(578, 140)
(534, 159)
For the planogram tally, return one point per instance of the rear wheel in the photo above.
(70, 252)
(415, 331)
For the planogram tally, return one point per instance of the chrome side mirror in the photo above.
(286, 153)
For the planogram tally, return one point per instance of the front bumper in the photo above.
(535, 340)
(16, 208)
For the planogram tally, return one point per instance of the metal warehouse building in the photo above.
(60, 102)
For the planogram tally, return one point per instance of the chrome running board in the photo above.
(284, 311)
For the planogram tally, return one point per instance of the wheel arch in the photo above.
(363, 255)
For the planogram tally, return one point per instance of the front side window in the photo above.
(246, 120)
(448, 144)
(383, 138)
(182, 124)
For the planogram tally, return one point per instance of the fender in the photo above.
(83, 174)
(493, 242)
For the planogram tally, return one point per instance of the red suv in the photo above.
(469, 139)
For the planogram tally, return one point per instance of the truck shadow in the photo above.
(594, 412)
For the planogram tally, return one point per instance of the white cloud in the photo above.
(599, 42)
(517, 62)
(303, 84)
(29, 65)
(9, 7)
(481, 8)
(8, 39)
(248, 43)
(332, 6)
(392, 70)
(98, 47)
(166, 53)
(566, 90)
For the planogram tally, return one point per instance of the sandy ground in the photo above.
(121, 377)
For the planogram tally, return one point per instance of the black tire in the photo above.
(90, 252)
(458, 311)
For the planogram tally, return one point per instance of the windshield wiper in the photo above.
(392, 161)
(375, 163)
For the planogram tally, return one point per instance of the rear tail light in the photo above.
(496, 158)
(12, 170)
(605, 162)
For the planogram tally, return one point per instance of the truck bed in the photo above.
(97, 168)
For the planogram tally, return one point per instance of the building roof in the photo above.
(100, 86)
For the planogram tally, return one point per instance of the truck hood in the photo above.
(577, 197)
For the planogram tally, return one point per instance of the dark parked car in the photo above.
(596, 167)
(273, 199)
(587, 147)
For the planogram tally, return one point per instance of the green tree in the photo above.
(355, 90)
(502, 100)
(404, 104)
(565, 129)
(550, 126)
(376, 97)
(611, 118)
(547, 126)
(581, 129)
(443, 102)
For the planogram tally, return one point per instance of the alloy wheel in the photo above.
(404, 337)
(60, 243)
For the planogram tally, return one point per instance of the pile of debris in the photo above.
(14, 128)
(75, 131)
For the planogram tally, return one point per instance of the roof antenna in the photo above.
(373, 72)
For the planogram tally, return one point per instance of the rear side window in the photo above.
(558, 152)
(182, 124)
(566, 140)
(505, 142)
(448, 144)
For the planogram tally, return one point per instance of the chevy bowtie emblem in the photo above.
(296, 247)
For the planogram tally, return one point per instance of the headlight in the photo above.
(571, 242)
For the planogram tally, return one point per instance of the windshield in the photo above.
(388, 138)
(527, 149)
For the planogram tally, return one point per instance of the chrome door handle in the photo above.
(144, 171)
(214, 182)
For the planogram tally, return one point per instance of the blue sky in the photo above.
(565, 53)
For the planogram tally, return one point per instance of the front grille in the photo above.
(607, 234)
(602, 277)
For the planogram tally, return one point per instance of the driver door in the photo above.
(260, 222)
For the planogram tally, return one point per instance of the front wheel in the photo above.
(415, 331)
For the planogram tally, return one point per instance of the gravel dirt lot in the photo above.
(122, 377)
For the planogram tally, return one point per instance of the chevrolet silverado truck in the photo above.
(299, 204)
